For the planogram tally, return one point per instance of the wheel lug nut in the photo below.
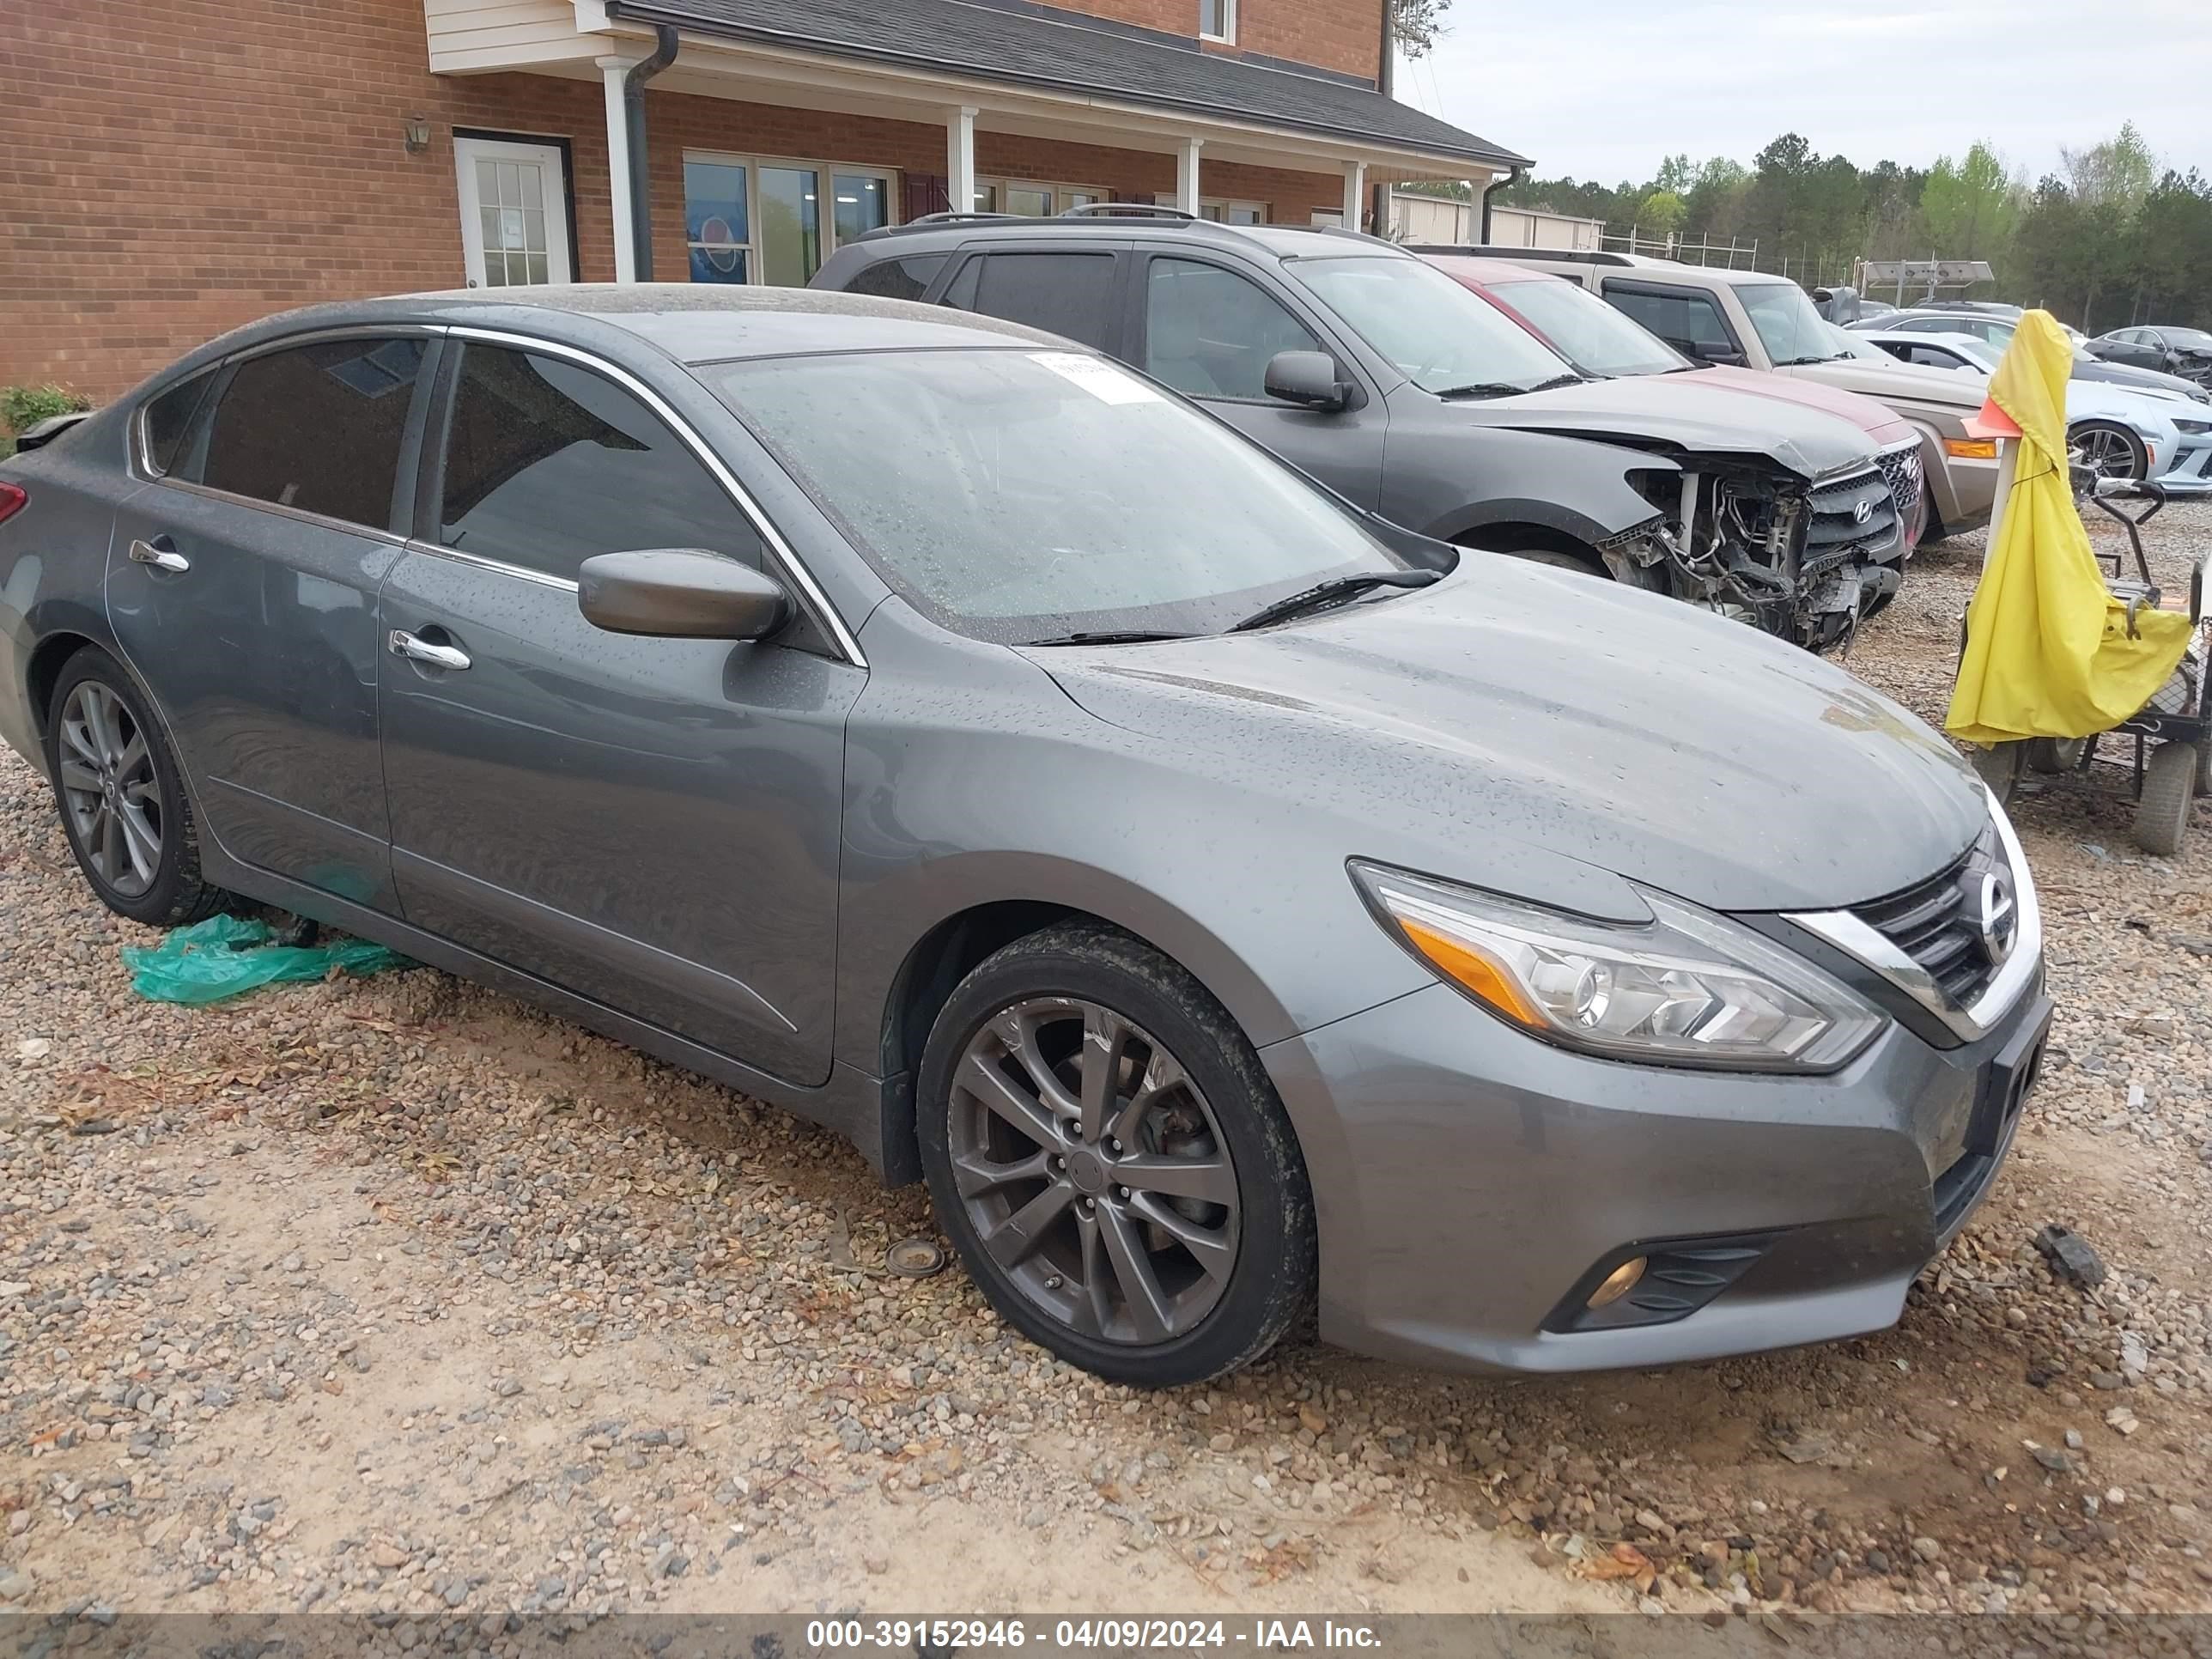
(1090, 1203)
(1125, 1192)
(1053, 1282)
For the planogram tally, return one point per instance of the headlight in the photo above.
(1688, 988)
(2192, 426)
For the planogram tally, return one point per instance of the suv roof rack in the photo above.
(1131, 210)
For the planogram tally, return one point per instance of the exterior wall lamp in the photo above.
(417, 132)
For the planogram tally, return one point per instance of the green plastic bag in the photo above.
(225, 955)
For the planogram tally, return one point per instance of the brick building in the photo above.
(169, 168)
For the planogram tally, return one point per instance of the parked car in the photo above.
(1998, 331)
(1601, 342)
(1214, 891)
(2118, 433)
(1750, 319)
(1397, 387)
(2184, 351)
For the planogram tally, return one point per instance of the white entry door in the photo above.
(514, 212)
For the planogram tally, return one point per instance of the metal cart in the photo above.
(2172, 733)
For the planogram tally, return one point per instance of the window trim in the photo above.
(825, 614)
(891, 178)
(1228, 35)
(142, 459)
(1679, 291)
(1059, 189)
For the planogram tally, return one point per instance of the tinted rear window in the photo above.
(898, 279)
(1069, 294)
(317, 428)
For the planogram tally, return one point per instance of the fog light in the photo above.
(1618, 1283)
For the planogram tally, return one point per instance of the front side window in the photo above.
(1212, 333)
(951, 472)
(1064, 294)
(1792, 332)
(1442, 337)
(1684, 321)
(547, 463)
(317, 428)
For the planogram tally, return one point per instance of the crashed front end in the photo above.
(1805, 559)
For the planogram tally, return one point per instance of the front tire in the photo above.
(122, 798)
(1108, 1157)
(2111, 450)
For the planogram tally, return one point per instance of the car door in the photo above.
(651, 823)
(242, 585)
(1210, 330)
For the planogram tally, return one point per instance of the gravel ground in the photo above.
(395, 1296)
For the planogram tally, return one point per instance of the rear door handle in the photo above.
(404, 644)
(159, 553)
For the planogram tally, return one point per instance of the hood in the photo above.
(1893, 383)
(1682, 412)
(1512, 706)
(1877, 420)
(2145, 412)
(2144, 379)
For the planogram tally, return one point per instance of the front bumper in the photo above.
(1469, 1179)
(2191, 473)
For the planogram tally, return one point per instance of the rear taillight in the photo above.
(13, 500)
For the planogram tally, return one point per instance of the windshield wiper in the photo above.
(1335, 589)
(1802, 362)
(1128, 636)
(1484, 389)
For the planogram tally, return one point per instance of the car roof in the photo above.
(693, 323)
(1919, 337)
(1135, 220)
(1672, 269)
(1475, 270)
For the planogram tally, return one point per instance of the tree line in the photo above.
(2110, 239)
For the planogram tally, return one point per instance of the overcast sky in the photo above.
(1606, 87)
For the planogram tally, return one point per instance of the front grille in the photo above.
(1901, 467)
(1938, 923)
(1834, 525)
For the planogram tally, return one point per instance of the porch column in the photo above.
(1187, 176)
(960, 160)
(612, 69)
(1355, 189)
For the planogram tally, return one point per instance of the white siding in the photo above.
(488, 34)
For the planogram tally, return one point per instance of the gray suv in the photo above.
(1222, 897)
(1410, 396)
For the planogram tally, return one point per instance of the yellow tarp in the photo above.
(2048, 653)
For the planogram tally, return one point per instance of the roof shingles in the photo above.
(1028, 50)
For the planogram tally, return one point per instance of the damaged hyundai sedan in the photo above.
(1224, 899)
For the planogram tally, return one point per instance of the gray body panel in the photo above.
(744, 858)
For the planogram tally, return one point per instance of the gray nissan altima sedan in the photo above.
(1220, 897)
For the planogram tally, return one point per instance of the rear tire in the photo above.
(2169, 792)
(122, 797)
(1108, 1157)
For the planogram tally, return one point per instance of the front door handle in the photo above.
(404, 644)
(160, 556)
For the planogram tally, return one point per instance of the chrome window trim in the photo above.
(142, 458)
(1857, 940)
(816, 601)
(497, 567)
(321, 521)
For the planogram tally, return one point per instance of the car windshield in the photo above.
(1979, 352)
(1788, 327)
(1585, 331)
(1439, 334)
(1021, 495)
(2196, 338)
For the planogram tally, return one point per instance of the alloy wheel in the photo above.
(1094, 1171)
(2105, 451)
(109, 789)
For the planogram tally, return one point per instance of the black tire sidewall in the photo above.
(1273, 1277)
(2139, 459)
(176, 887)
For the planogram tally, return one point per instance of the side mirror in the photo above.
(680, 594)
(1307, 379)
(1712, 351)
